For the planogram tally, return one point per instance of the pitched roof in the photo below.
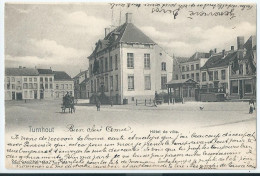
(127, 33)
(197, 55)
(45, 71)
(182, 59)
(61, 76)
(219, 61)
(21, 72)
(85, 81)
(181, 81)
(80, 74)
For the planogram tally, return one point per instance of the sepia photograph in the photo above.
(130, 86)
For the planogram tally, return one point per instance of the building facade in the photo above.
(63, 84)
(28, 83)
(21, 83)
(81, 85)
(127, 65)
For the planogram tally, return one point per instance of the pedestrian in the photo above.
(98, 105)
(251, 106)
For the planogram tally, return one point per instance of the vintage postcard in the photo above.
(127, 86)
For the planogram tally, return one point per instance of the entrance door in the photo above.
(41, 95)
(241, 90)
(35, 94)
(116, 98)
(13, 95)
(19, 96)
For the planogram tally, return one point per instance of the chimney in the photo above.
(223, 53)
(240, 42)
(215, 50)
(211, 52)
(128, 17)
(107, 30)
(232, 48)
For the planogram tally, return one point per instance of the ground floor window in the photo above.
(248, 86)
(147, 80)
(234, 86)
(163, 81)
(130, 82)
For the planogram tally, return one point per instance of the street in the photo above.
(217, 115)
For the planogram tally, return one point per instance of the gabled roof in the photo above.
(219, 61)
(45, 71)
(85, 81)
(61, 76)
(21, 72)
(80, 74)
(126, 33)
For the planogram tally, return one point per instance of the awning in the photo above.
(181, 82)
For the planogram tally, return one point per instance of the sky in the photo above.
(62, 35)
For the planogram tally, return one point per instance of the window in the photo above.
(57, 86)
(223, 74)
(8, 86)
(197, 77)
(176, 77)
(116, 82)
(116, 62)
(35, 79)
(183, 68)
(8, 79)
(111, 83)
(163, 66)
(50, 79)
(30, 79)
(147, 81)
(241, 69)
(50, 86)
(163, 81)
(70, 86)
(98, 85)
(66, 86)
(41, 86)
(210, 75)
(147, 61)
(197, 66)
(187, 68)
(106, 83)
(62, 86)
(248, 86)
(35, 85)
(204, 76)
(91, 85)
(215, 75)
(25, 94)
(46, 79)
(182, 76)
(25, 79)
(90, 69)
(106, 64)
(187, 76)
(111, 63)
(13, 86)
(234, 86)
(131, 82)
(46, 86)
(192, 76)
(192, 67)
(95, 86)
(101, 66)
(25, 85)
(41, 79)
(130, 60)
(13, 79)
(30, 85)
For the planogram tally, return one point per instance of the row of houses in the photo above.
(127, 65)
(231, 73)
(31, 83)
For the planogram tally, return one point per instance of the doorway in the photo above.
(19, 96)
(13, 95)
